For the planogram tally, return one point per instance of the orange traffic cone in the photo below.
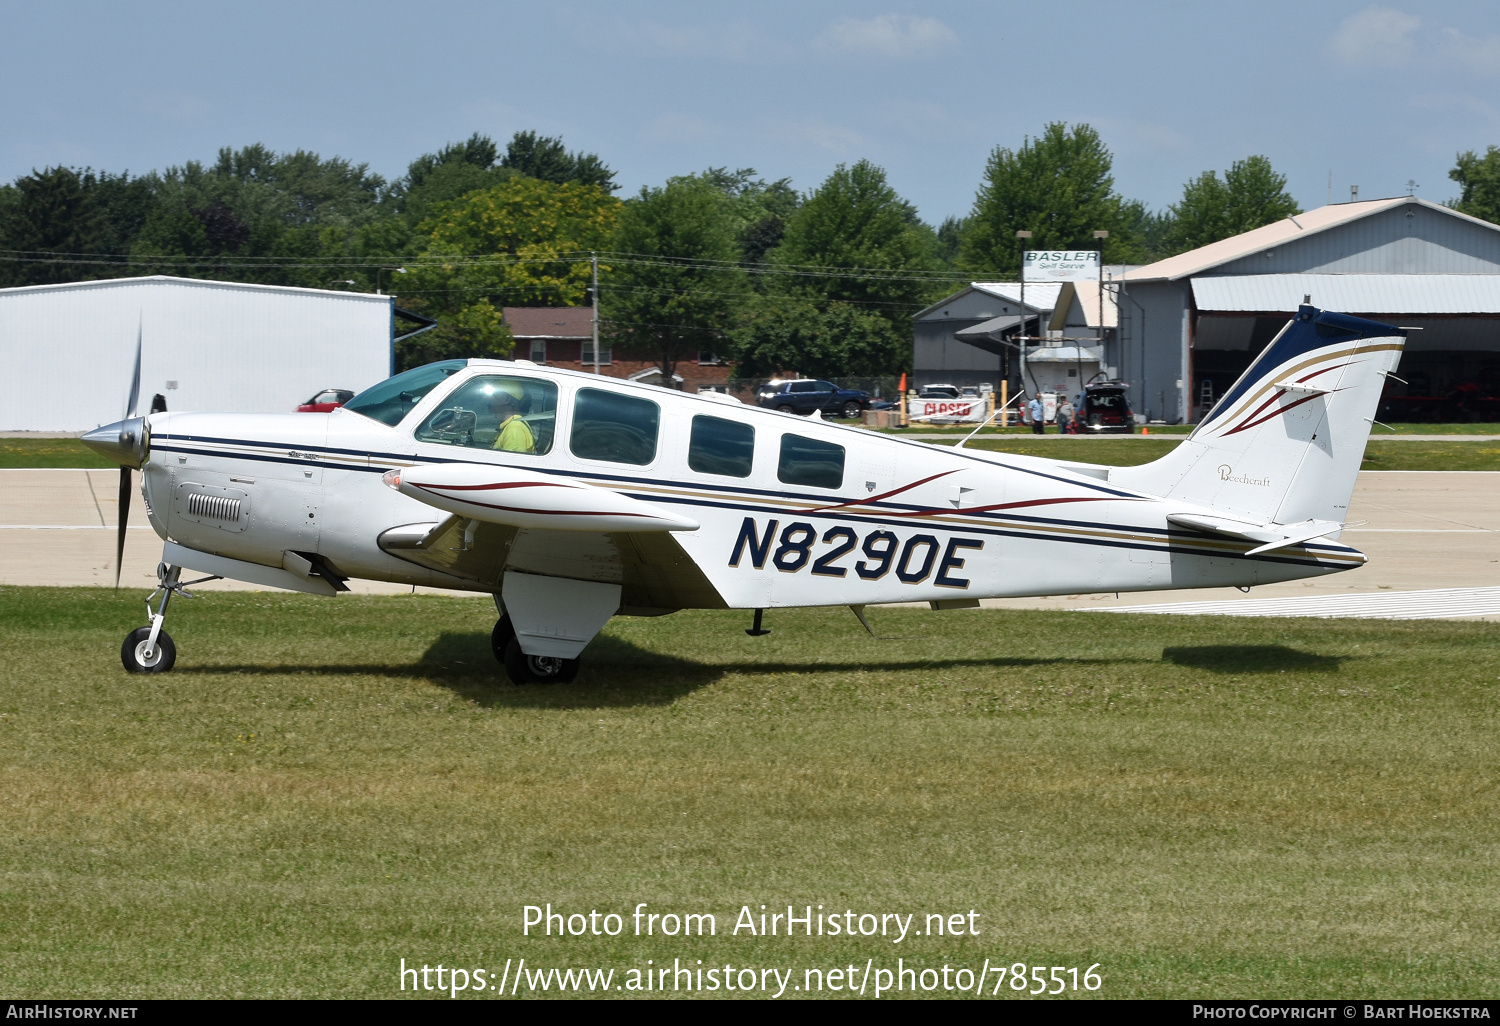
(1145, 430)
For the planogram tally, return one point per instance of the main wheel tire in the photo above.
(851, 410)
(524, 669)
(503, 634)
(133, 652)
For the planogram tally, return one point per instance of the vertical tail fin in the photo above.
(1284, 445)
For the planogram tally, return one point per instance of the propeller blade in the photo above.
(135, 380)
(123, 516)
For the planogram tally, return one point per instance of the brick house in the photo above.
(562, 336)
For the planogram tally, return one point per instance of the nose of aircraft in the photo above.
(124, 441)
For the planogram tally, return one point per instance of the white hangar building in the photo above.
(1192, 323)
(69, 350)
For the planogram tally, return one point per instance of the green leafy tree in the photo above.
(778, 334)
(1060, 187)
(522, 242)
(1479, 178)
(759, 208)
(545, 158)
(1250, 194)
(256, 215)
(854, 263)
(950, 237)
(64, 211)
(855, 222)
(455, 170)
(671, 289)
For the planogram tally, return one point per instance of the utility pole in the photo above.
(594, 292)
(1023, 235)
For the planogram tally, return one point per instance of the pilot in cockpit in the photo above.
(506, 403)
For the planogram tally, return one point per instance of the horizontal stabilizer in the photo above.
(1268, 536)
(507, 495)
(1300, 388)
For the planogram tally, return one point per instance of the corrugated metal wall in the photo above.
(68, 349)
(1408, 239)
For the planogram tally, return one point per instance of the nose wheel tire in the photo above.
(527, 669)
(133, 652)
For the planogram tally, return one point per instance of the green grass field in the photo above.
(1205, 807)
(49, 452)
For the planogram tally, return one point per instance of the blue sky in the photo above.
(1376, 95)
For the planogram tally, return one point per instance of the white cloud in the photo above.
(890, 35)
(1376, 33)
(1481, 55)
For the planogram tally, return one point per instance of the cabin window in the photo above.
(391, 400)
(810, 462)
(614, 427)
(496, 411)
(720, 446)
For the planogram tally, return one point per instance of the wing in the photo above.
(501, 519)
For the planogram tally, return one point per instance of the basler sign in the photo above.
(1061, 265)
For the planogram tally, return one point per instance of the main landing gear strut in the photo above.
(527, 669)
(150, 649)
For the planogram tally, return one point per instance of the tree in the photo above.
(1058, 186)
(256, 215)
(1251, 194)
(544, 158)
(851, 225)
(455, 170)
(780, 333)
(51, 211)
(1479, 178)
(674, 281)
(521, 242)
(950, 236)
(759, 208)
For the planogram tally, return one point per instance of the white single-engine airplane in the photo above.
(572, 498)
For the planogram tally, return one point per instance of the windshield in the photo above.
(393, 398)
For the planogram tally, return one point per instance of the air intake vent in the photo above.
(214, 507)
(226, 509)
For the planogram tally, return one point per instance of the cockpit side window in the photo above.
(496, 411)
(390, 401)
(614, 427)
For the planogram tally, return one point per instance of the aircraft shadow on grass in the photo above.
(1251, 659)
(616, 673)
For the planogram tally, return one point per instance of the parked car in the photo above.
(939, 392)
(804, 395)
(326, 401)
(1106, 409)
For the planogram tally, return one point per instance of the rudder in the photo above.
(1285, 443)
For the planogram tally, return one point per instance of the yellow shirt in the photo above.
(515, 436)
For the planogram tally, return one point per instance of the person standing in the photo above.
(1065, 423)
(1038, 414)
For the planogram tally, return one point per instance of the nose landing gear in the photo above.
(150, 649)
